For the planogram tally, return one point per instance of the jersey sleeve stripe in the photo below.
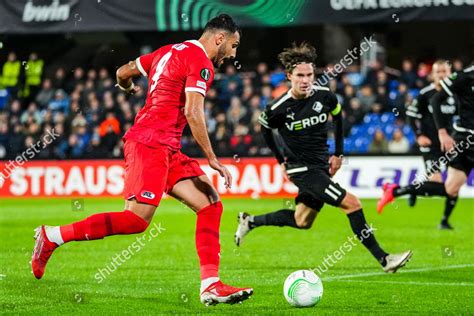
(140, 68)
(448, 81)
(337, 110)
(296, 170)
(316, 87)
(263, 122)
(193, 89)
(283, 99)
(413, 114)
(445, 87)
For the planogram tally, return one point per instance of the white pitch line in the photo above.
(350, 276)
(409, 282)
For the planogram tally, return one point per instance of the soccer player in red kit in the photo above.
(178, 77)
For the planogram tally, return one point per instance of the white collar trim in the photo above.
(198, 43)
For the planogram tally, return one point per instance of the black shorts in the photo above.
(464, 160)
(432, 158)
(315, 187)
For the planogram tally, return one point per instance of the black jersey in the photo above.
(461, 84)
(421, 111)
(302, 125)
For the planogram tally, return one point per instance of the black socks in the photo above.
(364, 232)
(428, 188)
(279, 218)
(448, 208)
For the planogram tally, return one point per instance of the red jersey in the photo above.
(172, 70)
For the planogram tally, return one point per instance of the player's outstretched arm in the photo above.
(125, 74)
(194, 112)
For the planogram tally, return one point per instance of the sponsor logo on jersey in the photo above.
(148, 195)
(201, 84)
(205, 74)
(307, 122)
(291, 115)
(317, 106)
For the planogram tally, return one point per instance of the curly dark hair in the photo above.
(297, 54)
(222, 22)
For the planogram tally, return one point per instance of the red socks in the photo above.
(207, 239)
(104, 224)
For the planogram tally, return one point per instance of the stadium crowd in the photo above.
(90, 115)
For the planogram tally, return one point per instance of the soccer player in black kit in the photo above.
(459, 149)
(296, 128)
(420, 116)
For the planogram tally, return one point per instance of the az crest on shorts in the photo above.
(317, 106)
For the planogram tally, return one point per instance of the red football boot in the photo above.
(41, 253)
(387, 196)
(218, 292)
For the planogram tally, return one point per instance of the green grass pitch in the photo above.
(163, 276)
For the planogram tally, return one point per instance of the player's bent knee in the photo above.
(452, 191)
(303, 223)
(143, 211)
(351, 203)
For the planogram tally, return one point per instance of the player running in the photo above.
(459, 149)
(296, 128)
(179, 76)
(420, 116)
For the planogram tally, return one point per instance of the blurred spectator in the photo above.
(366, 97)
(45, 94)
(32, 114)
(409, 76)
(109, 125)
(379, 144)
(399, 143)
(382, 80)
(33, 75)
(266, 96)
(16, 141)
(77, 78)
(60, 103)
(258, 145)
(221, 136)
(348, 94)
(354, 113)
(59, 78)
(262, 70)
(10, 74)
(401, 99)
(236, 113)
(241, 140)
(382, 98)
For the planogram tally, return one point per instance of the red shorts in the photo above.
(151, 171)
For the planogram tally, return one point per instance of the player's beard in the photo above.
(220, 56)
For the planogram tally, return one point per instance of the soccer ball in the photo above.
(303, 288)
